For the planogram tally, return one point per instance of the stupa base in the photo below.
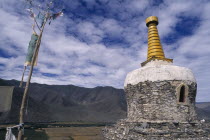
(124, 130)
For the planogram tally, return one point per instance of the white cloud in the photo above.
(90, 31)
(111, 27)
(138, 5)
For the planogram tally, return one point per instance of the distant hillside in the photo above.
(203, 110)
(68, 103)
(71, 103)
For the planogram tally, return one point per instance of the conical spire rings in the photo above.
(155, 50)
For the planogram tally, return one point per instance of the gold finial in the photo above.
(151, 19)
(155, 50)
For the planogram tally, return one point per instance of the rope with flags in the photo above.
(9, 135)
(56, 15)
(39, 20)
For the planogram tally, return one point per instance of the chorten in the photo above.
(160, 99)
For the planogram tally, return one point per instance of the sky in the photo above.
(97, 42)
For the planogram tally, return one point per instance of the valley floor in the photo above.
(60, 133)
(74, 133)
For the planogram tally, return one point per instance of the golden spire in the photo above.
(155, 50)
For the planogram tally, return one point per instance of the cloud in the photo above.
(111, 27)
(96, 43)
(90, 32)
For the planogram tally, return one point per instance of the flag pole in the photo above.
(21, 118)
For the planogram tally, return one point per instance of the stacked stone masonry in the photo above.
(157, 101)
(124, 130)
(155, 113)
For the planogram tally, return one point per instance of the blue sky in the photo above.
(97, 42)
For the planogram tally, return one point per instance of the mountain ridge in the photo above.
(69, 103)
(49, 103)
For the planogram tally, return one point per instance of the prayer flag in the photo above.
(54, 16)
(6, 93)
(40, 18)
(31, 48)
(9, 135)
(32, 15)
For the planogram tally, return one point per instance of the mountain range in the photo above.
(69, 103)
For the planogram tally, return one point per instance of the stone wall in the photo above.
(124, 130)
(159, 110)
(157, 101)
